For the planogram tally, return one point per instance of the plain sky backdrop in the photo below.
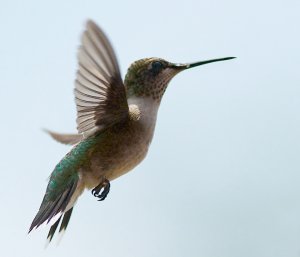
(222, 177)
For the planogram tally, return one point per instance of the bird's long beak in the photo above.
(194, 64)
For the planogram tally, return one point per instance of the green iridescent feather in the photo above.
(63, 182)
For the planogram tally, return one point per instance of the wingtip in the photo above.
(90, 24)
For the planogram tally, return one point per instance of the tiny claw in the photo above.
(104, 186)
(104, 193)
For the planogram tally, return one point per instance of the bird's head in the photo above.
(149, 77)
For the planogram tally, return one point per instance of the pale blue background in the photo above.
(222, 177)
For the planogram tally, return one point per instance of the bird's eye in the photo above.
(156, 67)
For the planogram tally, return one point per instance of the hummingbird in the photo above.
(115, 122)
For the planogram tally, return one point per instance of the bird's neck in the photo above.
(148, 108)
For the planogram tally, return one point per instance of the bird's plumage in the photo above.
(63, 226)
(99, 90)
(62, 184)
(68, 139)
(101, 102)
(115, 123)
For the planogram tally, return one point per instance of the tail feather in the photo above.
(63, 225)
(65, 220)
(52, 230)
(59, 206)
(49, 208)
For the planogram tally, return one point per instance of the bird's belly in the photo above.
(118, 158)
(126, 163)
(113, 168)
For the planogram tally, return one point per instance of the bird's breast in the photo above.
(119, 149)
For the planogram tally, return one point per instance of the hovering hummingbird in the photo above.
(115, 123)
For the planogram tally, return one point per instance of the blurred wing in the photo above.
(99, 91)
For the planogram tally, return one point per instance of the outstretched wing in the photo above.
(99, 91)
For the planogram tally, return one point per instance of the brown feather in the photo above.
(99, 91)
(68, 139)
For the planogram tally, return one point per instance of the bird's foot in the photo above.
(101, 191)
